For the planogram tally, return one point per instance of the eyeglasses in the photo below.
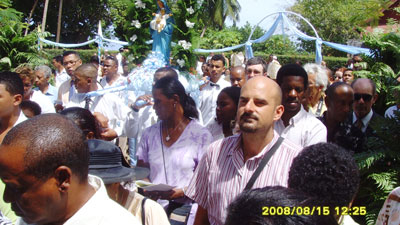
(365, 97)
(70, 62)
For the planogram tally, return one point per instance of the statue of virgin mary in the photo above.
(161, 28)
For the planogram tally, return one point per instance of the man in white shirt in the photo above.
(210, 92)
(296, 124)
(43, 74)
(45, 170)
(71, 61)
(109, 105)
(11, 92)
(60, 74)
(28, 78)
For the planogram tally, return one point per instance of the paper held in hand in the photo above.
(153, 187)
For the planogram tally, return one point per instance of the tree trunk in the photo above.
(46, 4)
(30, 16)
(203, 31)
(59, 22)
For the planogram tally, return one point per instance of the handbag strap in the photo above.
(143, 211)
(263, 162)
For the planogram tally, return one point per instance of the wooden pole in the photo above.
(59, 22)
(30, 16)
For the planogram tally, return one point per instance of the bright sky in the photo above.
(255, 10)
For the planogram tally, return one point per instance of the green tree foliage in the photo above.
(79, 18)
(215, 12)
(379, 167)
(16, 49)
(227, 37)
(279, 44)
(336, 20)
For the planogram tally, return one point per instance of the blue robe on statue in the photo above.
(162, 39)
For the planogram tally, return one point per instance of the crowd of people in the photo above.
(262, 137)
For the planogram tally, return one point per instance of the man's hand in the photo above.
(168, 195)
(146, 98)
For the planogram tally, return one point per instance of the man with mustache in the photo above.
(296, 124)
(229, 164)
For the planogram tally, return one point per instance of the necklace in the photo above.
(167, 138)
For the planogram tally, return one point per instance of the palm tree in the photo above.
(217, 11)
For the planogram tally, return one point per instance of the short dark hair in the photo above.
(84, 119)
(112, 58)
(95, 59)
(168, 72)
(248, 208)
(233, 93)
(219, 58)
(170, 86)
(67, 53)
(30, 105)
(292, 70)
(256, 61)
(12, 82)
(330, 91)
(58, 58)
(326, 171)
(49, 145)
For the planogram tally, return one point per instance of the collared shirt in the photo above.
(61, 77)
(222, 173)
(66, 91)
(181, 158)
(43, 101)
(109, 105)
(208, 99)
(364, 120)
(304, 129)
(99, 209)
(52, 93)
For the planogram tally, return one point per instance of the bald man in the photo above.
(229, 163)
(238, 76)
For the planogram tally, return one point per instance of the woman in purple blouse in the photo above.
(173, 147)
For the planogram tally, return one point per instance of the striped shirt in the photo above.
(222, 173)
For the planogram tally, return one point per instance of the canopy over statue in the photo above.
(161, 28)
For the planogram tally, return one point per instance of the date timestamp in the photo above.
(312, 210)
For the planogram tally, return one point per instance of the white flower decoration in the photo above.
(181, 62)
(184, 44)
(133, 38)
(190, 10)
(140, 4)
(189, 24)
(136, 23)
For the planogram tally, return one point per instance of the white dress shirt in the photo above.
(99, 209)
(21, 118)
(110, 105)
(61, 77)
(208, 99)
(304, 129)
(43, 101)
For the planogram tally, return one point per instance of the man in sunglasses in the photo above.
(364, 97)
